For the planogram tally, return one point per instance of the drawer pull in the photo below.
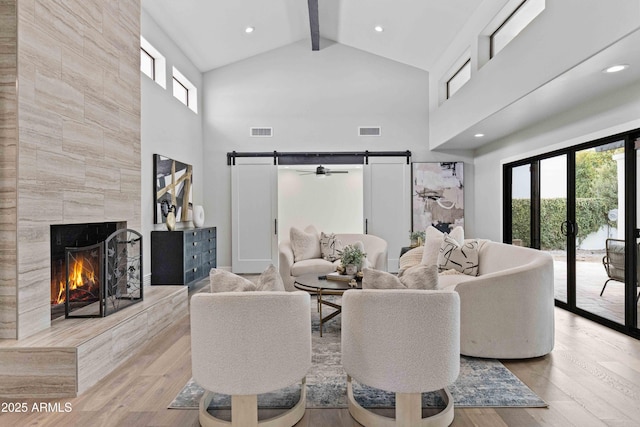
(195, 232)
(195, 257)
(195, 269)
(195, 243)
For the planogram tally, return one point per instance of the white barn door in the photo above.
(254, 200)
(387, 203)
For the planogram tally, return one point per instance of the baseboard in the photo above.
(146, 280)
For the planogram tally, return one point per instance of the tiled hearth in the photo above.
(74, 354)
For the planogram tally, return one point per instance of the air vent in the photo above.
(261, 132)
(369, 131)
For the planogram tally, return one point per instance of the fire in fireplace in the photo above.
(96, 269)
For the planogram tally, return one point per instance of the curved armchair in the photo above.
(247, 343)
(402, 341)
(374, 246)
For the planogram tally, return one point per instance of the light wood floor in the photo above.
(592, 378)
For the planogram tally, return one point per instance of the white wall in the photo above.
(616, 113)
(566, 33)
(168, 127)
(333, 204)
(314, 101)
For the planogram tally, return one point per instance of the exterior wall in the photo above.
(78, 136)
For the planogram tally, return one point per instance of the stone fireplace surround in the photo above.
(69, 153)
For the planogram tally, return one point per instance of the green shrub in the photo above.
(591, 214)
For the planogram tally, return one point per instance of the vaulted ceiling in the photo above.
(212, 32)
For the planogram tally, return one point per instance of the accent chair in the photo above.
(402, 341)
(248, 343)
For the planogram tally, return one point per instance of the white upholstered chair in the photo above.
(402, 341)
(248, 343)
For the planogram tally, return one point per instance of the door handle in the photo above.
(568, 228)
(366, 226)
(275, 226)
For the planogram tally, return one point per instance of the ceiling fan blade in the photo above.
(338, 171)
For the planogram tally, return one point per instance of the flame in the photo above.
(81, 274)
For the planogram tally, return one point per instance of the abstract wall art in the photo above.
(172, 183)
(437, 195)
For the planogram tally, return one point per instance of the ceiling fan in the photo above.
(321, 171)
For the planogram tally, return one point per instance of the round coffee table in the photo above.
(312, 284)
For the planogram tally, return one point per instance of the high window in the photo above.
(152, 63)
(514, 24)
(459, 78)
(185, 91)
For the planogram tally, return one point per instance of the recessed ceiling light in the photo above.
(615, 68)
(479, 135)
(378, 28)
(249, 30)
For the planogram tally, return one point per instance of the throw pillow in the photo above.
(417, 277)
(270, 280)
(304, 243)
(460, 257)
(225, 281)
(410, 258)
(329, 246)
(433, 240)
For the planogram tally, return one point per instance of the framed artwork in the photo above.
(437, 195)
(172, 184)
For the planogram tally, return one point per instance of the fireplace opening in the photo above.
(96, 269)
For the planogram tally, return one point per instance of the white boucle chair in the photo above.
(402, 341)
(248, 343)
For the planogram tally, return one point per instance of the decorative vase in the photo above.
(351, 269)
(198, 216)
(171, 221)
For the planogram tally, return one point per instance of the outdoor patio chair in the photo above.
(613, 262)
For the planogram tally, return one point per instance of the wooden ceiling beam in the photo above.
(315, 24)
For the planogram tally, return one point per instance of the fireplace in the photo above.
(96, 269)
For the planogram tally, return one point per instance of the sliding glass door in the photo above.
(600, 245)
(574, 204)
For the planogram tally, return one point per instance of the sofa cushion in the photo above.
(417, 277)
(305, 243)
(460, 257)
(225, 281)
(270, 280)
(329, 246)
(433, 240)
(308, 266)
(448, 282)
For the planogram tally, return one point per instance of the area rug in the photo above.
(481, 383)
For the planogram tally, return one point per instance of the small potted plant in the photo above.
(417, 238)
(351, 258)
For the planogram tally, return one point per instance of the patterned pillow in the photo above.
(304, 243)
(461, 257)
(416, 277)
(329, 246)
(433, 241)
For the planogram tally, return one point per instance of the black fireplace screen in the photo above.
(106, 277)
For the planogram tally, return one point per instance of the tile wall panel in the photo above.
(78, 138)
(8, 168)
